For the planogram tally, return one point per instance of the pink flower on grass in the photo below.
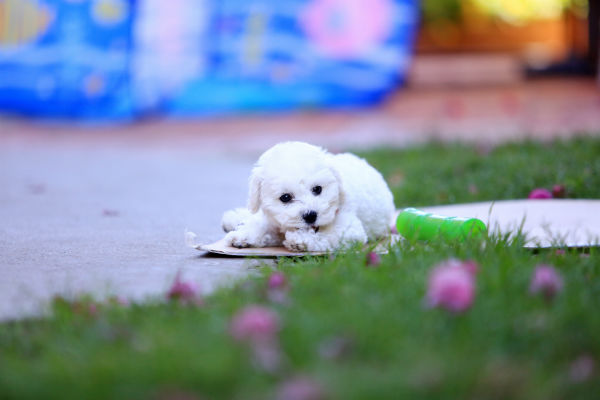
(582, 369)
(347, 28)
(373, 259)
(184, 292)
(85, 307)
(258, 327)
(546, 280)
(93, 309)
(540, 193)
(119, 301)
(452, 286)
(558, 191)
(254, 324)
(277, 288)
(277, 280)
(300, 388)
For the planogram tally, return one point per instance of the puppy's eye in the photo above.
(317, 190)
(285, 197)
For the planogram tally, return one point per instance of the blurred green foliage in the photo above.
(456, 173)
(513, 11)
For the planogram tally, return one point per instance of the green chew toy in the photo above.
(415, 224)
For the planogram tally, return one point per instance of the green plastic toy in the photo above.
(415, 224)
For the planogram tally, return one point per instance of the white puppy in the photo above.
(310, 200)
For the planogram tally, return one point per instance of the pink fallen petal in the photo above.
(267, 355)
(123, 301)
(540, 193)
(107, 212)
(373, 259)
(582, 369)
(37, 188)
(84, 307)
(118, 300)
(558, 191)
(546, 280)
(300, 388)
(451, 286)
(185, 292)
(255, 324)
(279, 296)
(277, 280)
(93, 309)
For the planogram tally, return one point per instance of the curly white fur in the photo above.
(351, 201)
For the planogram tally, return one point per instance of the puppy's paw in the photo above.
(294, 241)
(302, 240)
(239, 239)
(233, 219)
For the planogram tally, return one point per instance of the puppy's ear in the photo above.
(338, 177)
(255, 182)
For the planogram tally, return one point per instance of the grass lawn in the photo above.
(345, 330)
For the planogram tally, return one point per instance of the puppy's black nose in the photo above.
(310, 217)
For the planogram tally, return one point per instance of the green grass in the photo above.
(444, 174)
(510, 344)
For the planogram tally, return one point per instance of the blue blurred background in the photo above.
(120, 59)
(115, 60)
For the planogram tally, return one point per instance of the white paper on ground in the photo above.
(546, 223)
(221, 247)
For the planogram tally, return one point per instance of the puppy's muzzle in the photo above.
(309, 217)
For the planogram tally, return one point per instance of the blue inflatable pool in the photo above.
(117, 59)
(67, 59)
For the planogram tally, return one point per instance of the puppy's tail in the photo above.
(232, 219)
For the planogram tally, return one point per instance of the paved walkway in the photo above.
(105, 220)
(103, 209)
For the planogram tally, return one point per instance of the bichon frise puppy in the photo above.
(307, 199)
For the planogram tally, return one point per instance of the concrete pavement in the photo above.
(110, 220)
